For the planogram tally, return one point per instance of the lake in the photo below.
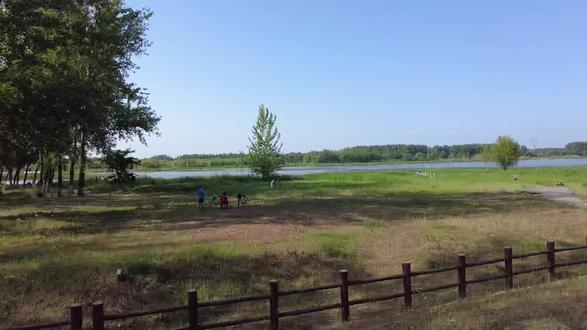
(296, 171)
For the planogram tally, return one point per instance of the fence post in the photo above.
(274, 304)
(407, 272)
(509, 267)
(193, 310)
(462, 273)
(98, 316)
(75, 317)
(550, 257)
(344, 294)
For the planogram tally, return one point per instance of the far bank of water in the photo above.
(297, 171)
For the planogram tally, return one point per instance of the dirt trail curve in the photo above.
(559, 194)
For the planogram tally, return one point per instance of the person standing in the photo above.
(224, 201)
(201, 196)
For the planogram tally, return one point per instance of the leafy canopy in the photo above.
(505, 152)
(120, 163)
(64, 81)
(264, 156)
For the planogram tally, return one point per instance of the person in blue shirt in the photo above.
(201, 195)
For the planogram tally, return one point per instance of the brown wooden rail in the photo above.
(99, 318)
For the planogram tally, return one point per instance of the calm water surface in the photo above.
(382, 167)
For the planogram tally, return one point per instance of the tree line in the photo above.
(359, 154)
(64, 87)
(393, 152)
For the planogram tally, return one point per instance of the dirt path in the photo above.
(559, 194)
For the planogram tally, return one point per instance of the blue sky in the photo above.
(343, 73)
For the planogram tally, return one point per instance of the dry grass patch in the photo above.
(557, 305)
(54, 252)
(435, 243)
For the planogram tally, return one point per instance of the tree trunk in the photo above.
(59, 176)
(50, 178)
(35, 176)
(42, 172)
(26, 174)
(71, 174)
(82, 168)
(16, 177)
(10, 176)
(1, 175)
(43, 181)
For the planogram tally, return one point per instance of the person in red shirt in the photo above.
(224, 201)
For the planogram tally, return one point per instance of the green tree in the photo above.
(64, 89)
(120, 163)
(577, 148)
(505, 152)
(112, 35)
(264, 156)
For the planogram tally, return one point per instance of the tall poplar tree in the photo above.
(264, 156)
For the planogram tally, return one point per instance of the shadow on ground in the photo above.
(176, 212)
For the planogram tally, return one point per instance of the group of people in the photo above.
(222, 200)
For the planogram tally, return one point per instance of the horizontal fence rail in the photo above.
(99, 318)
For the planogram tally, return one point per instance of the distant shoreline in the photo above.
(308, 165)
(426, 166)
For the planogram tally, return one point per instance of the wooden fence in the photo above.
(193, 306)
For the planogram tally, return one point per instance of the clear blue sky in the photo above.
(343, 73)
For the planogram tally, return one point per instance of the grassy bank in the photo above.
(56, 251)
(555, 305)
(386, 183)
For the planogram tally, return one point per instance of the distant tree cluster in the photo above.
(64, 89)
(391, 152)
(571, 149)
(346, 155)
(577, 148)
(194, 161)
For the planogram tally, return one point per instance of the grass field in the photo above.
(57, 251)
(557, 305)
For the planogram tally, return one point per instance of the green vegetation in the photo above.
(264, 156)
(301, 232)
(505, 152)
(64, 86)
(192, 161)
(119, 162)
(65, 93)
(370, 184)
(576, 148)
(360, 154)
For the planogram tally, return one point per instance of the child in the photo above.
(224, 201)
(244, 200)
(201, 196)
